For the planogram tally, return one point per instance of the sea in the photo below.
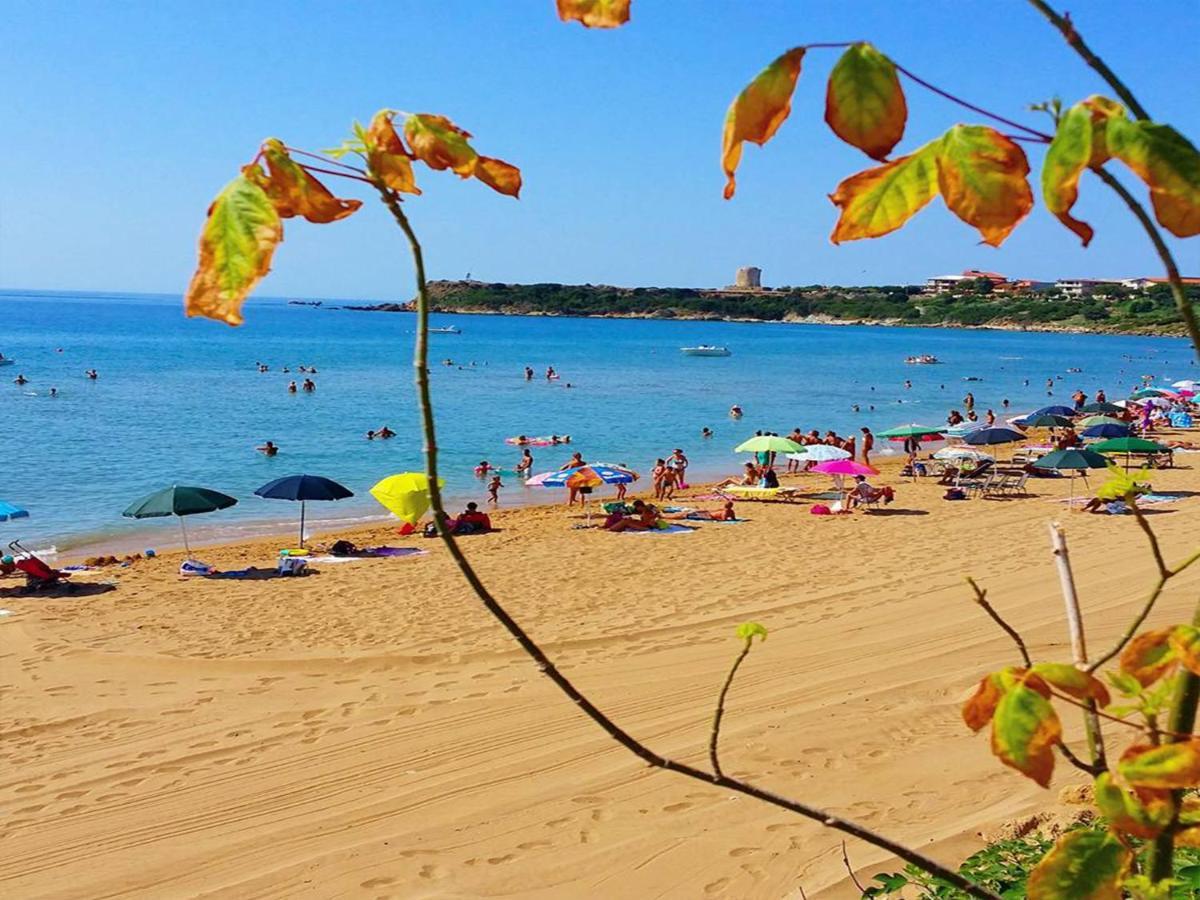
(182, 401)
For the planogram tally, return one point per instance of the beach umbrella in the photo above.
(1102, 407)
(179, 500)
(765, 443)
(1057, 410)
(1073, 461)
(922, 432)
(1128, 445)
(1146, 393)
(303, 488)
(12, 511)
(841, 467)
(997, 434)
(819, 453)
(1106, 430)
(964, 453)
(1189, 384)
(405, 495)
(1100, 420)
(962, 429)
(1045, 420)
(589, 476)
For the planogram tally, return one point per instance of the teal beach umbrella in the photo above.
(179, 500)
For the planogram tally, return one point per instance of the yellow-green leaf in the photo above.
(1084, 865)
(1185, 642)
(1143, 818)
(758, 111)
(747, 631)
(880, 200)
(1065, 161)
(864, 104)
(1025, 729)
(1149, 656)
(236, 246)
(1168, 163)
(1168, 766)
(595, 13)
(982, 177)
(387, 156)
(440, 144)
(295, 192)
(1073, 681)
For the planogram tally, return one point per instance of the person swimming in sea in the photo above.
(735, 411)
(483, 468)
(268, 449)
(706, 432)
(309, 385)
(385, 433)
(291, 387)
(20, 380)
(525, 466)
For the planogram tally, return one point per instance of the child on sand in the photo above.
(494, 489)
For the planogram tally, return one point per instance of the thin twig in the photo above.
(546, 665)
(1067, 698)
(307, 168)
(981, 599)
(1163, 570)
(1041, 135)
(1077, 762)
(715, 735)
(326, 159)
(850, 870)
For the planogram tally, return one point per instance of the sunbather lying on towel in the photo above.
(707, 515)
(645, 516)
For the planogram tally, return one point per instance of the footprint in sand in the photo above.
(743, 851)
(716, 887)
(377, 882)
(431, 871)
(677, 807)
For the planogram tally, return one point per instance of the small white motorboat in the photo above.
(449, 329)
(705, 350)
(6, 360)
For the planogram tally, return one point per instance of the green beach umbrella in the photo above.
(765, 443)
(1148, 392)
(910, 430)
(1101, 407)
(1128, 445)
(1045, 420)
(179, 500)
(1100, 420)
(1072, 461)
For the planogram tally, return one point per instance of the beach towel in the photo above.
(670, 529)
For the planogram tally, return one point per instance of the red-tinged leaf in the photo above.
(1143, 818)
(1168, 766)
(1185, 642)
(387, 156)
(880, 200)
(1101, 109)
(1065, 161)
(982, 177)
(1149, 656)
(758, 111)
(440, 144)
(1025, 729)
(1073, 681)
(236, 246)
(981, 706)
(864, 104)
(499, 175)
(296, 193)
(1084, 865)
(595, 13)
(1168, 163)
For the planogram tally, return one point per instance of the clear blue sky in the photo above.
(120, 120)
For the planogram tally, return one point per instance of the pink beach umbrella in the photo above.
(841, 467)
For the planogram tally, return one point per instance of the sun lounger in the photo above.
(745, 492)
(38, 575)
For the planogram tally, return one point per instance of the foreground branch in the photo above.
(420, 363)
(720, 711)
(981, 599)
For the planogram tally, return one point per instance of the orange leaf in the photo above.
(1073, 681)
(236, 247)
(387, 156)
(1078, 143)
(1185, 642)
(981, 706)
(296, 193)
(1169, 766)
(1149, 656)
(595, 13)
(1169, 165)
(499, 175)
(758, 111)
(440, 144)
(1143, 816)
(880, 200)
(982, 177)
(864, 104)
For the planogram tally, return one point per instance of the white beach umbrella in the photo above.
(1188, 384)
(819, 453)
(963, 453)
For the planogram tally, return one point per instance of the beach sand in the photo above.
(370, 731)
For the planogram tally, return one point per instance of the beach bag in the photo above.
(955, 494)
(293, 565)
(820, 509)
(191, 567)
(430, 530)
(343, 548)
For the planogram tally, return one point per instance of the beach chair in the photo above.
(981, 486)
(38, 574)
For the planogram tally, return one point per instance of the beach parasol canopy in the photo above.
(12, 511)
(819, 453)
(179, 500)
(592, 475)
(1057, 410)
(303, 488)
(912, 429)
(1045, 420)
(963, 453)
(1100, 420)
(1128, 445)
(997, 434)
(1101, 408)
(1146, 393)
(962, 429)
(1189, 384)
(765, 443)
(844, 467)
(1072, 461)
(405, 495)
(1106, 430)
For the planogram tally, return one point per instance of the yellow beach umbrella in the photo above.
(406, 495)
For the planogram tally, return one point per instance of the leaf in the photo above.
(1130, 815)
(595, 13)
(1148, 656)
(982, 177)
(1126, 684)
(1185, 643)
(440, 144)
(1065, 161)
(1120, 485)
(1168, 766)
(747, 631)
(1168, 163)
(758, 111)
(386, 154)
(864, 104)
(296, 193)
(236, 246)
(1084, 865)
(981, 706)
(880, 200)
(1025, 729)
(1073, 681)
(499, 175)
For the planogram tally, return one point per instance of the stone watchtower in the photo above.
(749, 278)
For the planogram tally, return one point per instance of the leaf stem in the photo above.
(981, 600)
(715, 735)
(325, 159)
(1040, 135)
(307, 168)
(545, 665)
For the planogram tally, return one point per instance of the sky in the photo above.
(119, 121)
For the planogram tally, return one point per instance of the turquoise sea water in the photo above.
(181, 400)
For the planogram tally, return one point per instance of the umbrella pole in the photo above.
(301, 524)
(183, 528)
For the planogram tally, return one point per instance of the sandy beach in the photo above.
(369, 731)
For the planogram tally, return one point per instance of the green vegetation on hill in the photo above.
(1114, 308)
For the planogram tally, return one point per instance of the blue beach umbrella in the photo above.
(303, 488)
(1058, 410)
(1106, 430)
(12, 511)
(998, 434)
